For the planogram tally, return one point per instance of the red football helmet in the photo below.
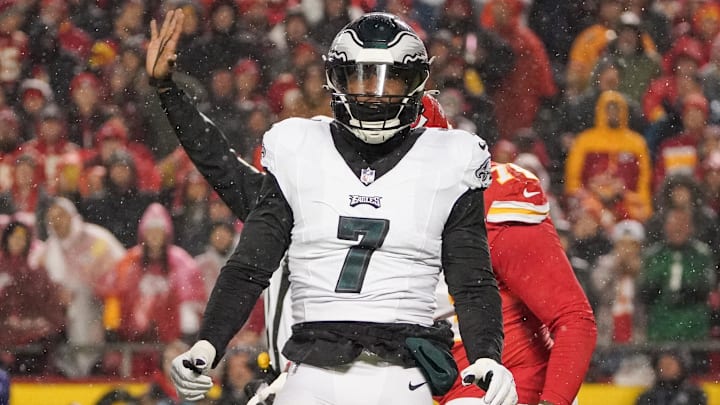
(432, 115)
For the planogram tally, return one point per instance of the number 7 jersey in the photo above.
(365, 248)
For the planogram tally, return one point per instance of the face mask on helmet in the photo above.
(376, 68)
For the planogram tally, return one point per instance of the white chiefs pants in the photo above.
(366, 381)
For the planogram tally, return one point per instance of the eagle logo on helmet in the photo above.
(376, 69)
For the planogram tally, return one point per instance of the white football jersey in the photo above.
(368, 249)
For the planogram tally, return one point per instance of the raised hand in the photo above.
(161, 52)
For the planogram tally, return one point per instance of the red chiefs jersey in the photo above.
(548, 322)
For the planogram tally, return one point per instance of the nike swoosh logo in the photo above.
(529, 194)
(412, 387)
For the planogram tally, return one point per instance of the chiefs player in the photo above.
(549, 327)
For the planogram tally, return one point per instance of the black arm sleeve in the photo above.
(236, 182)
(470, 279)
(262, 245)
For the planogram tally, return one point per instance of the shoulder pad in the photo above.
(515, 195)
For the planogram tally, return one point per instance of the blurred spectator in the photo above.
(458, 16)
(9, 142)
(587, 242)
(190, 213)
(675, 282)
(220, 45)
(223, 111)
(680, 154)
(150, 291)
(530, 155)
(27, 187)
(637, 64)
(653, 21)
(684, 192)
(504, 151)
(57, 43)
(25, 319)
(255, 123)
(315, 99)
(611, 161)
(618, 313)
(67, 184)
(220, 244)
(580, 115)
(67, 181)
(453, 103)
(405, 10)
(126, 78)
(173, 169)
(711, 180)
(520, 93)
(33, 96)
(77, 255)
(335, 15)
(445, 47)
(672, 384)
(51, 141)
(13, 46)
(589, 44)
(247, 83)
(120, 204)
(87, 111)
(193, 27)
(557, 25)
(240, 369)
(113, 138)
(710, 81)
(129, 22)
(680, 78)
(706, 26)
(287, 38)
(490, 55)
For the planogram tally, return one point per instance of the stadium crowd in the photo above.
(110, 235)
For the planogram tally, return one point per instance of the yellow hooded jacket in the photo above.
(620, 152)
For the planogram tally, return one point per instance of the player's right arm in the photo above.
(236, 182)
(262, 245)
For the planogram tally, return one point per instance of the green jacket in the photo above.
(674, 286)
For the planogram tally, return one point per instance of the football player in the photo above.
(549, 326)
(366, 236)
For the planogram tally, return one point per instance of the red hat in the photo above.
(85, 79)
(36, 87)
(112, 129)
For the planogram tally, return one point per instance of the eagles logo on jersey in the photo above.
(515, 195)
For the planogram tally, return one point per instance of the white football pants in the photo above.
(366, 381)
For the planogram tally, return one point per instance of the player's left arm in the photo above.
(536, 269)
(466, 261)
(470, 279)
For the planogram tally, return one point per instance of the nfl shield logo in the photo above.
(367, 176)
